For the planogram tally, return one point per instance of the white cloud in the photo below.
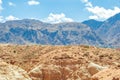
(1, 19)
(33, 2)
(103, 13)
(9, 18)
(100, 13)
(93, 17)
(0, 1)
(87, 3)
(1, 8)
(57, 18)
(11, 4)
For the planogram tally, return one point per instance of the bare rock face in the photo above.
(94, 68)
(45, 72)
(107, 74)
(59, 62)
(10, 72)
(60, 70)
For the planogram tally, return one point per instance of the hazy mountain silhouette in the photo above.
(90, 32)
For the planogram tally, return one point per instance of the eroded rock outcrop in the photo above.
(59, 62)
(63, 69)
(107, 74)
(95, 68)
(10, 72)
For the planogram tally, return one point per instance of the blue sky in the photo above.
(55, 11)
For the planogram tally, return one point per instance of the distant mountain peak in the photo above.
(92, 20)
(89, 32)
(118, 14)
(114, 18)
(23, 20)
(93, 24)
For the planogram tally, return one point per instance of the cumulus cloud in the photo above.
(100, 13)
(1, 8)
(9, 18)
(33, 2)
(93, 17)
(57, 18)
(1, 19)
(11, 4)
(87, 3)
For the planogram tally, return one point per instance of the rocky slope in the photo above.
(28, 31)
(107, 74)
(109, 31)
(64, 62)
(10, 72)
(93, 24)
(90, 32)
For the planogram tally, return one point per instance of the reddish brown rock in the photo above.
(107, 74)
(60, 70)
(92, 70)
(61, 62)
(10, 72)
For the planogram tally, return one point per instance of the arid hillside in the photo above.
(63, 62)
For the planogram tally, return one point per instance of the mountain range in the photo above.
(90, 32)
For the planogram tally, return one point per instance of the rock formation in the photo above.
(10, 72)
(107, 74)
(59, 63)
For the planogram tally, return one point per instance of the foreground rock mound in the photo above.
(10, 72)
(60, 70)
(107, 74)
(59, 62)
